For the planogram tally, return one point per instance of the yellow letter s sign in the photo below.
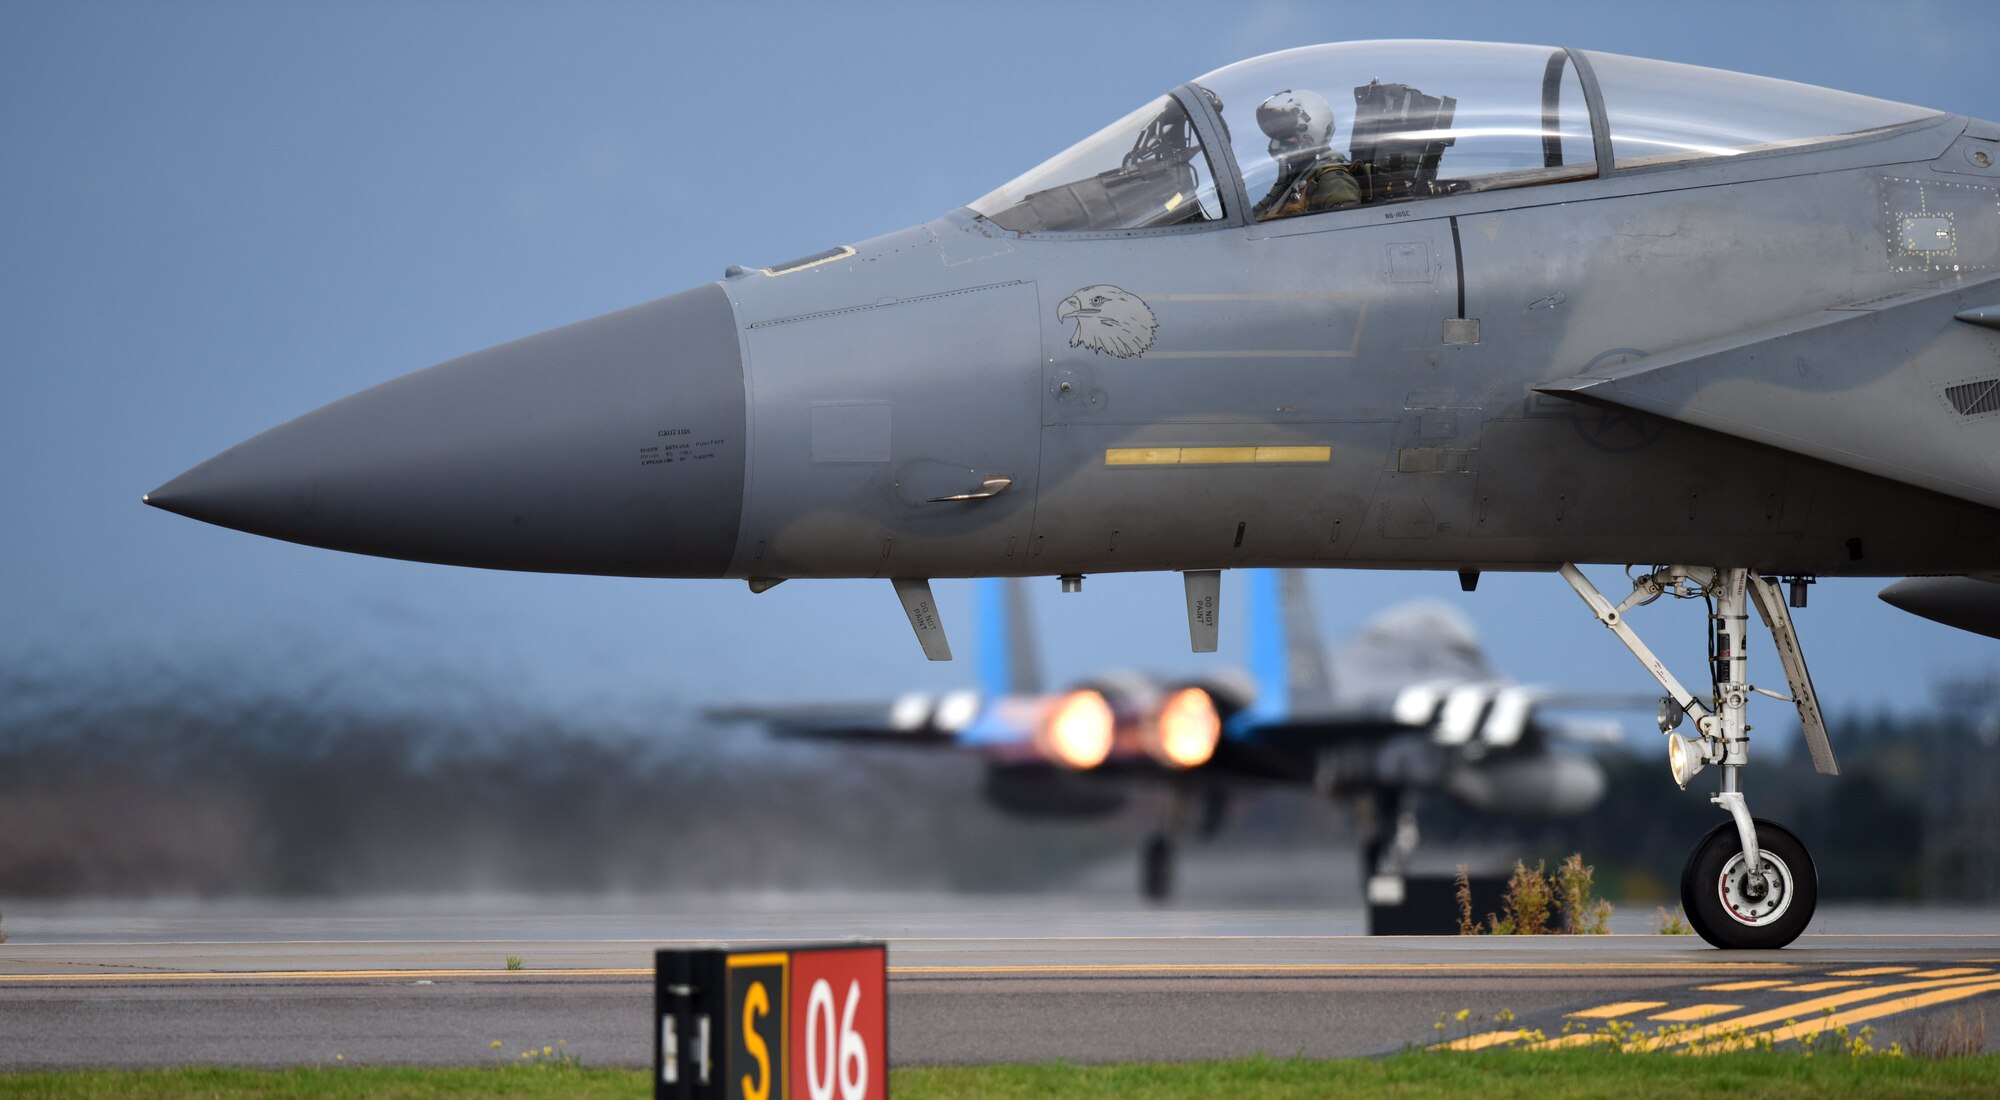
(756, 1003)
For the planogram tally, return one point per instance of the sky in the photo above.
(217, 216)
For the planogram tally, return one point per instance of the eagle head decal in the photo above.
(1116, 322)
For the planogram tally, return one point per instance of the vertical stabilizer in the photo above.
(1310, 686)
(1267, 648)
(1009, 660)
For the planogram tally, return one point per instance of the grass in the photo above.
(357, 1082)
(1498, 1076)
(1562, 1075)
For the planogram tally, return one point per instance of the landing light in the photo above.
(1188, 729)
(1079, 731)
(1670, 714)
(1683, 758)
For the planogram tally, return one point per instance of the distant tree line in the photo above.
(165, 786)
(1914, 814)
(112, 789)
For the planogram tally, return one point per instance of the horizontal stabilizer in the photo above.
(1891, 388)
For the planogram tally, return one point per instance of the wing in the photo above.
(1904, 388)
(914, 719)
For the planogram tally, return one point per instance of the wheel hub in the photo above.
(1756, 897)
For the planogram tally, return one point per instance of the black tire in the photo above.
(1688, 908)
(1703, 889)
(1156, 868)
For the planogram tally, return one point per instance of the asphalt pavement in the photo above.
(972, 980)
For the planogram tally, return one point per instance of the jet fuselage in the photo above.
(1378, 385)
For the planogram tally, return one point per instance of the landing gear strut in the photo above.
(1749, 883)
(1157, 855)
(1388, 838)
(1156, 866)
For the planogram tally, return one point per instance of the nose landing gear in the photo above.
(1749, 883)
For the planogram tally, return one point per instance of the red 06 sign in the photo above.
(839, 1033)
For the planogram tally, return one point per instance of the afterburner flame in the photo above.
(1079, 731)
(1188, 729)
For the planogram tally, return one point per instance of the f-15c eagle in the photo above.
(1563, 308)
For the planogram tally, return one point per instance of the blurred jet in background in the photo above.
(1409, 705)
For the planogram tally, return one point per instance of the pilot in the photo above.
(1311, 175)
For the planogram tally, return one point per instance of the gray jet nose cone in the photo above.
(612, 446)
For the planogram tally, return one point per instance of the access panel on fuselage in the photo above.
(1224, 399)
(865, 415)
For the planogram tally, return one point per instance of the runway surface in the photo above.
(972, 980)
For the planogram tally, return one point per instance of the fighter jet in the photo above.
(1444, 305)
(1410, 706)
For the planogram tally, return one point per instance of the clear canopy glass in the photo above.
(1357, 123)
(1144, 170)
(1409, 120)
(1662, 112)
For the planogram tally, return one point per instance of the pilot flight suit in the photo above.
(1324, 184)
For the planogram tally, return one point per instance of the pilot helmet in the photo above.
(1296, 122)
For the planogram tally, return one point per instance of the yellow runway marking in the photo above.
(1866, 1013)
(1712, 1033)
(1818, 987)
(1953, 972)
(1693, 1012)
(1737, 987)
(1622, 1008)
(1810, 1007)
(318, 975)
(1326, 968)
(914, 971)
(1481, 1042)
(1872, 972)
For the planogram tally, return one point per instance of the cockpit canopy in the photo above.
(1147, 169)
(1411, 120)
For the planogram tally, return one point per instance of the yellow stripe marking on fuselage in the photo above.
(1214, 456)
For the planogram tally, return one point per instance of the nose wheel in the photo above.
(1749, 883)
(1733, 906)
